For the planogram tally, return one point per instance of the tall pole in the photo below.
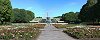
(47, 19)
(47, 14)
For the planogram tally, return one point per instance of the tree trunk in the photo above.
(1, 22)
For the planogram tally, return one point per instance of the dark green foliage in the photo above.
(71, 16)
(91, 12)
(95, 12)
(38, 17)
(6, 13)
(84, 14)
(22, 15)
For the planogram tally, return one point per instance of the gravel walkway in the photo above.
(52, 33)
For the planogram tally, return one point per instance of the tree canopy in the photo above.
(38, 17)
(84, 14)
(94, 12)
(71, 16)
(90, 12)
(6, 13)
(22, 15)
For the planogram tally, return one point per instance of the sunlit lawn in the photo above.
(65, 26)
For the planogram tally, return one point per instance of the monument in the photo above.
(48, 20)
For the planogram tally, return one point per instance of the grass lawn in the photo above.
(65, 26)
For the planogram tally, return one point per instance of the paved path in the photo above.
(52, 33)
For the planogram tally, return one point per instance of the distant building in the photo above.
(36, 20)
(57, 20)
(47, 20)
(60, 21)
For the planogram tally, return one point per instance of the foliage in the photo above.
(6, 13)
(95, 12)
(22, 15)
(84, 14)
(38, 17)
(71, 16)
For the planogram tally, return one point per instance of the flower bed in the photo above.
(39, 25)
(58, 25)
(25, 33)
(83, 33)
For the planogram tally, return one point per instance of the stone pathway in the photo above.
(52, 33)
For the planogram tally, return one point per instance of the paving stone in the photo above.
(52, 33)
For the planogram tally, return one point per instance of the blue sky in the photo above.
(53, 7)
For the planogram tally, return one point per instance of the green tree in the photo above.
(94, 12)
(63, 17)
(71, 16)
(38, 17)
(22, 15)
(84, 15)
(31, 15)
(6, 13)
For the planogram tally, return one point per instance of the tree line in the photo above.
(8, 15)
(90, 12)
(22, 15)
(70, 17)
